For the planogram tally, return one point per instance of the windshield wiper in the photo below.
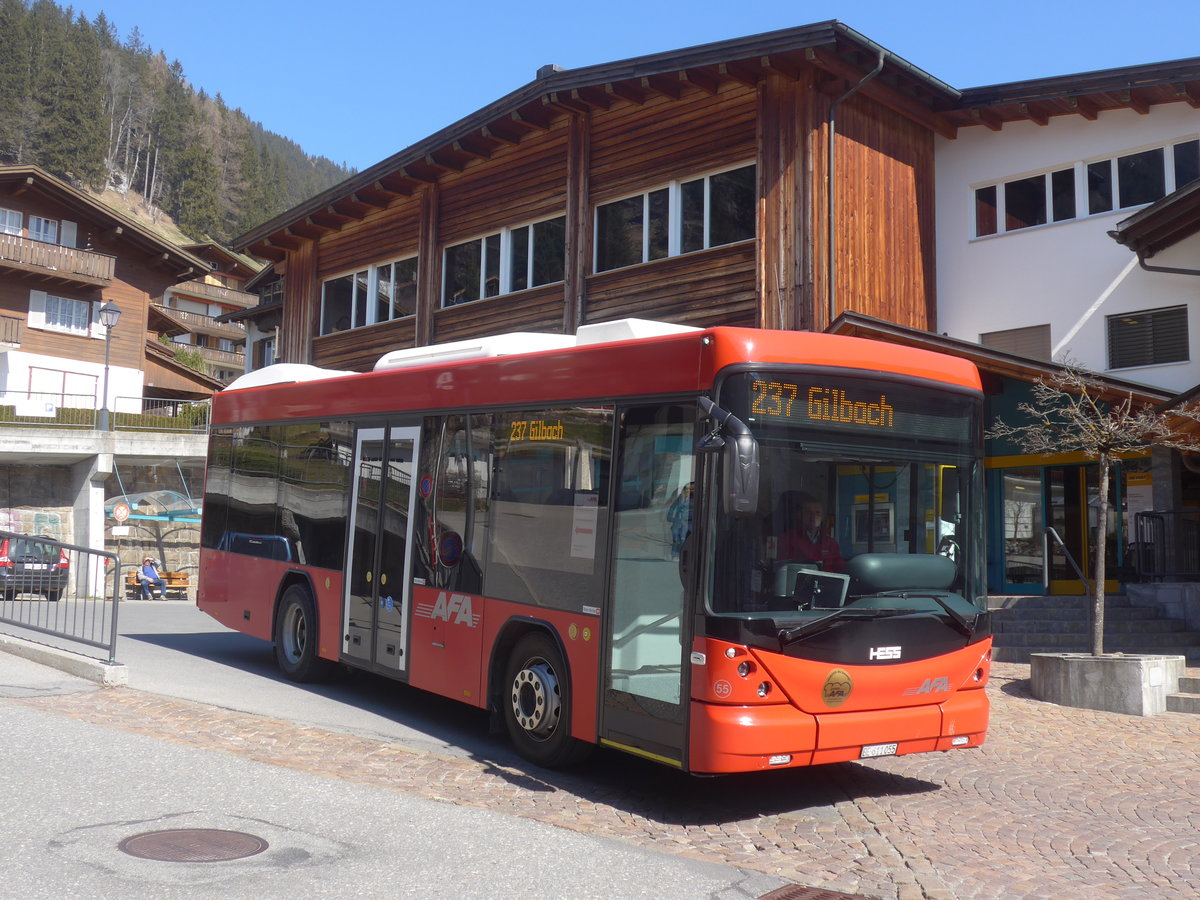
(959, 619)
(815, 626)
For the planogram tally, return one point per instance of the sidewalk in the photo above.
(1060, 803)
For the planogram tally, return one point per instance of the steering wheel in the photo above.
(948, 547)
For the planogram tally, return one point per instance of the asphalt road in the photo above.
(76, 786)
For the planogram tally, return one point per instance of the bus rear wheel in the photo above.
(296, 637)
(537, 703)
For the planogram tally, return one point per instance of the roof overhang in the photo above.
(837, 54)
(989, 361)
(17, 180)
(1162, 224)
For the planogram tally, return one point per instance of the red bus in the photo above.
(725, 549)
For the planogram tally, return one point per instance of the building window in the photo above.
(45, 230)
(1148, 337)
(1121, 182)
(377, 294)
(512, 259)
(10, 221)
(1032, 341)
(682, 217)
(72, 316)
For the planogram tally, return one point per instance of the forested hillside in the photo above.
(103, 112)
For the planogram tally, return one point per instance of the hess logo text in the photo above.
(884, 653)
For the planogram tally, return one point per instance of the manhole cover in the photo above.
(193, 845)
(796, 892)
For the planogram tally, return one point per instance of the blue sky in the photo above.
(358, 80)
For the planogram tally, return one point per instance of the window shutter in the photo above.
(37, 309)
(66, 233)
(1033, 342)
(1148, 337)
(96, 330)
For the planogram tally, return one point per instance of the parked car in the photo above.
(29, 565)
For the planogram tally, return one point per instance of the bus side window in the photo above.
(448, 519)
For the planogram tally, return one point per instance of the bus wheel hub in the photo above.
(535, 699)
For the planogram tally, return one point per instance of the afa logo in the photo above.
(454, 609)
(930, 686)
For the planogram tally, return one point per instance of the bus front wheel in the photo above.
(537, 703)
(296, 637)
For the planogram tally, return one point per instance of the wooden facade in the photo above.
(135, 268)
(572, 141)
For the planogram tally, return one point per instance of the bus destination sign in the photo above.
(788, 400)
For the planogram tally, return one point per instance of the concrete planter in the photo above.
(1133, 684)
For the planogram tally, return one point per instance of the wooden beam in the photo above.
(22, 186)
(564, 101)
(265, 250)
(662, 84)
(475, 146)
(1085, 107)
(348, 206)
(444, 162)
(330, 218)
(786, 66)
(1136, 102)
(418, 171)
(1189, 92)
(286, 241)
(705, 80)
(401, 185)
(1034, 115)
(592, 96)
(535, 115)
(626, 90)
(988, 118)
(308, 230)
(743, 73)
(372, 197)
(503, 132)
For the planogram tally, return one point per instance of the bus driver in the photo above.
(806, 540)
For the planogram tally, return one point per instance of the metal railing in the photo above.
(53, 410)
(63, 591)
(1167, 545)
(64, 260)
(1048, 535)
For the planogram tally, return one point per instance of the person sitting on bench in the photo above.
(148, 576)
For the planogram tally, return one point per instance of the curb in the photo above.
(100, 671)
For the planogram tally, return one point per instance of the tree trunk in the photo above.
(1098, 572)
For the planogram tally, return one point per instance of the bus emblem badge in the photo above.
(837, 688)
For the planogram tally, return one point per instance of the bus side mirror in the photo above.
(740, 462)
(741, 475)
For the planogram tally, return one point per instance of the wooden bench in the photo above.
(177, 584)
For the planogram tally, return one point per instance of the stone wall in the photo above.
(38, 500)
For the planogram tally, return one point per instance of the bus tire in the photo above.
(296, 637)
(536, 700)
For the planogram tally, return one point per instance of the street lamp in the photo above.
(109, 314)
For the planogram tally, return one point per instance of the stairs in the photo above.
(1054, 624)
(1188, 698)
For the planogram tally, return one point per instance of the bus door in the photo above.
(645, 677)
(379, 559)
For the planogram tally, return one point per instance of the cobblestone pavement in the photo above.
(1060, 803)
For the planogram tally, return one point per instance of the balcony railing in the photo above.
(66, 262)
(205, 324)
(52, 410)
(216, 293)
(221, 357)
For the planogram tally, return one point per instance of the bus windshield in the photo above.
(869, 502)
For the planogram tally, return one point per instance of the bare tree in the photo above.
(1072, 411)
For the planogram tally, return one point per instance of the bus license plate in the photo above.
(870, 751)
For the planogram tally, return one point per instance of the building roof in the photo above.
(989, 361)
(842, 54)
(240, 264)
(183, 265)
(1163, 223)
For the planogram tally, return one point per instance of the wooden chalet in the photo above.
(775, 180)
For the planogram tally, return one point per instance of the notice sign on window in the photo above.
(583, 525)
